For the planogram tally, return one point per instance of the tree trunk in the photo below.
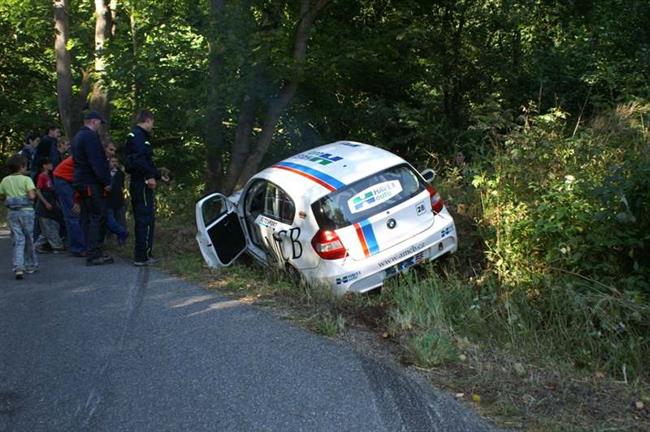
(63, 66)
(103, 32)
(70, 107)
(214, 134)
(113, 12)
(451, 63)
(276, 108)
(134, 53)
(308, 12)
(243, 136)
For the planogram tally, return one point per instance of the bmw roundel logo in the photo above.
(391, 223)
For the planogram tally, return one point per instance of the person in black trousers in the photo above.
(144, 176)
(92, 180)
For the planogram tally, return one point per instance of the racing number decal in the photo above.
(294, 236)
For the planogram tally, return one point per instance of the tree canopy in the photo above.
(412, 76)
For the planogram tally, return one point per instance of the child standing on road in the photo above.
(19, 191)
(47, 211)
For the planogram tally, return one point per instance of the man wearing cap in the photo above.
(144, 174)
(92, 179)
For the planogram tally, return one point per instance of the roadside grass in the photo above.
(514, 372)
(451, 320)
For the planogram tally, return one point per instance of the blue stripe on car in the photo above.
(369, 234)
(319, 175)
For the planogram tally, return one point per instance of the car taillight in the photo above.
(328, 245)
(436, 202)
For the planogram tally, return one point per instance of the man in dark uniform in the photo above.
(144, 175)
(48, 142)
(92, 179)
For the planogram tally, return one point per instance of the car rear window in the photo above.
(368, 196)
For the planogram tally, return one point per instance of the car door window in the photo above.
(255, 197)
(254, 206)
(212, 210)
(278, 205)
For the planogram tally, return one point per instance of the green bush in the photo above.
(564, 216)
(576, 203)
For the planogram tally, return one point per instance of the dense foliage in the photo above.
(535, 112)
(562, 214)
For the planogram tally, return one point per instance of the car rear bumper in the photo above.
(347, 275)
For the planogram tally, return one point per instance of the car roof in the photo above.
(319, 171)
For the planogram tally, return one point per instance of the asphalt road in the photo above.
(119, 348)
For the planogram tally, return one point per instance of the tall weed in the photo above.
(585, 327)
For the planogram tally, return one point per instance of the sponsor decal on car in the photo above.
(407, 263)
(266, 222)
(367, 237)
(319, 157)
(446, 231)
(374, 195)
(316, 176)
(347, 278)
(399, 256)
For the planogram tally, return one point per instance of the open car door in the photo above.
(220, 235)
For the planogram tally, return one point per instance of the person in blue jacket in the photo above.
(144, 177)
(92, 180)
(32, 141)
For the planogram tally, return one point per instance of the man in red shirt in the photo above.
(63, 176)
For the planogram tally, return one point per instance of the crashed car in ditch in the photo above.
(347, 215)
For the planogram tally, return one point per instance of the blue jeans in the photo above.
(49, 234)
(21, 223)
(65, 193)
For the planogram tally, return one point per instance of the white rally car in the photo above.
(346, 214)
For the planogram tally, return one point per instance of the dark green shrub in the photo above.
(565, 219)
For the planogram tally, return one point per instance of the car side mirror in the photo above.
(428, 175)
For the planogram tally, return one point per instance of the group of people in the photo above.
(74, 190)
